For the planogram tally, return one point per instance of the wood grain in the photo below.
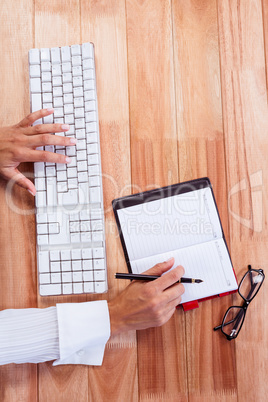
(154, 164)
(244, 95)
(182, 93)
(211, 365)
(17, 250)
(105, 25)
(59, 383)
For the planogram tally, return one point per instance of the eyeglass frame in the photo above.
(243, 308)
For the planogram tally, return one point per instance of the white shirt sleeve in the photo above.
(73, 333)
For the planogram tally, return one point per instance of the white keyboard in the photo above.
(71, 254)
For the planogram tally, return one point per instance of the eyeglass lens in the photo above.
(250, 284)
(233, 321)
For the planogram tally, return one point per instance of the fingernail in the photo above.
(65, 127)
(68, 159)
(73, 140)
(171, 258)
(50, 110)
(31, 192)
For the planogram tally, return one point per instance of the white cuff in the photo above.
(84, 329)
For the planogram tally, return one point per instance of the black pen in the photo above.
(141, 277)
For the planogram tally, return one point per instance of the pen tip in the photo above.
(198, 280)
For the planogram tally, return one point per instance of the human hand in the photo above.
(18, 144)
(147, 304)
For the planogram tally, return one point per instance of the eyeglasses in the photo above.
(235, 315)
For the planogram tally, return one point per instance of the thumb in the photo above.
(160, 268)
(18, 178)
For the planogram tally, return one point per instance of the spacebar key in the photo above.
(50, 290)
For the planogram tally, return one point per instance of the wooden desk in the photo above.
(182, 90)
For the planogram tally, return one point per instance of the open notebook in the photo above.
(179, 221)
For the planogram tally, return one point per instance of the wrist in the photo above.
(116, 321)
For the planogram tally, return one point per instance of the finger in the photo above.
(46, 128)
(174, 293)
(20, 179)
(169, 279)
(160, 268)
(32, 117)
(49, 139)
(44, 156)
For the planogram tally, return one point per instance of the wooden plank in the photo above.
(244, 94)
(104, 23)
(154, 163)
(211, 364)
(17, 279)
(58, 24)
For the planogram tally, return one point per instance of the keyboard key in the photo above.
(55, 266)
(56, 278)
(55, 55)
(76, 254)
(100, 287)
(89, 287)
(87, 63)
(40, 199)
(95, 194)
(68, 199)
(88, 276)
(42, 240)
(42, 228)
(98, 252)
(44, 278)
(77, 81)
(89, 86)
(66, 67)
(56, 70)
(99, 275)
(41, 218)
(77, 265)
(87, 265)
(45, 66)
(78, 288)
(78, 92)
(67, 88)
(76, 60)
(45, 54)
(46, 76)
(67, 288)
(89, 95)
(88, 74)
(54, 255)
(77, 276)
(66, 266)
(52, 289)
(86, 253)
(67, 277)
(65, 54)
(53, 228)
(47, 97)
(68, 98)
(35, 71)
(43, 261)
(87, 50)
(34, 56)
(79, 102)
(57, 81)
(76, 50)
(35, 85)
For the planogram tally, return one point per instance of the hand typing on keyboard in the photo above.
(18, 144)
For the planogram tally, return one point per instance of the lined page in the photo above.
(208, 261)
(169, 223)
